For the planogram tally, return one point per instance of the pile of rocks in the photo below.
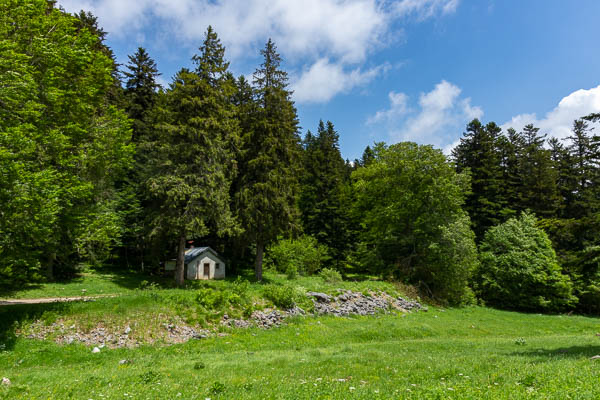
(260, 319)
(175, 330)
(356, 303)
(180, 333)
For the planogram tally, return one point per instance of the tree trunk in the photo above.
(259, 260)
(50, 267)
(180, 267)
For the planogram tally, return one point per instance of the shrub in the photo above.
(408, 202)
(330, 275)
(303, 255)
(519, 268)
(283, 297)
(452, 261)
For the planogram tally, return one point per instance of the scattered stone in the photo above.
(6, 381)
(173, 329)
(125, 362)
(357, 303)
(266, 320)
(199, 336)
(595, 357)
(321, 297)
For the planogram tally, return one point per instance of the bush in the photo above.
(585, 269)
(408, 202)
(519, 269)
(330, 275)
(452, 260)
(284, 297)
(292, 256)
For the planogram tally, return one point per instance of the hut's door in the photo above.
(206, 270)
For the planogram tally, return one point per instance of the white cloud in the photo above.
(424, 9)
(323, 80)
(559, 121)
(398, 108)
(332, 36)
(437, 119)
(346, 29)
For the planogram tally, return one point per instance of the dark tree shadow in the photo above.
(542, 354)
(11, 316)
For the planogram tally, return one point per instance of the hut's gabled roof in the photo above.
(194, 252)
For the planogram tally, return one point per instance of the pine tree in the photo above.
(193, 165)
(268, 186)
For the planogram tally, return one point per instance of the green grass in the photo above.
(88, 283)
(456, 353)
(441, 354)
(149, 309)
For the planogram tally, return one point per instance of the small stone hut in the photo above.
(200, 263)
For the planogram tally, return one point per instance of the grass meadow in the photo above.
(465, 353)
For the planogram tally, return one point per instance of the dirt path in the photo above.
(10, 302)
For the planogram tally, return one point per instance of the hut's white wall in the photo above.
(196, 268)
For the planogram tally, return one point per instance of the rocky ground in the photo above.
(175, 330)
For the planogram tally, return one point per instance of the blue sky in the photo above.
(389, 70)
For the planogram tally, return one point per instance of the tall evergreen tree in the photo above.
(478, 152)
(141, 97)
(141, 91)
(323, 200)
(584, 154)
(539, 190)
(510, 147)
(268, 186)
(193, 164)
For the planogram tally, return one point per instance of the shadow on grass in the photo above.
(563, 352)
(10, 292)
(11, 316)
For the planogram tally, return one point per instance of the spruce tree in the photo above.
(323, 201)
(192, 163)
(539, 191)
(141, 97)
(479, 153)
(584, 154)
(268, 186)
(510, 147)
(141, 91)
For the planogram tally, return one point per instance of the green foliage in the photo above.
(282, 296)
(584, 270)
(453, 261)
(478, 153)
(409, 200)
(62, 144)
(303, 255)
(519, 268)
(267, 187)
(192, 164)
(330, 275)
(324, 201)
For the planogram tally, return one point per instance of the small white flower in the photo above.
(352, 388)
